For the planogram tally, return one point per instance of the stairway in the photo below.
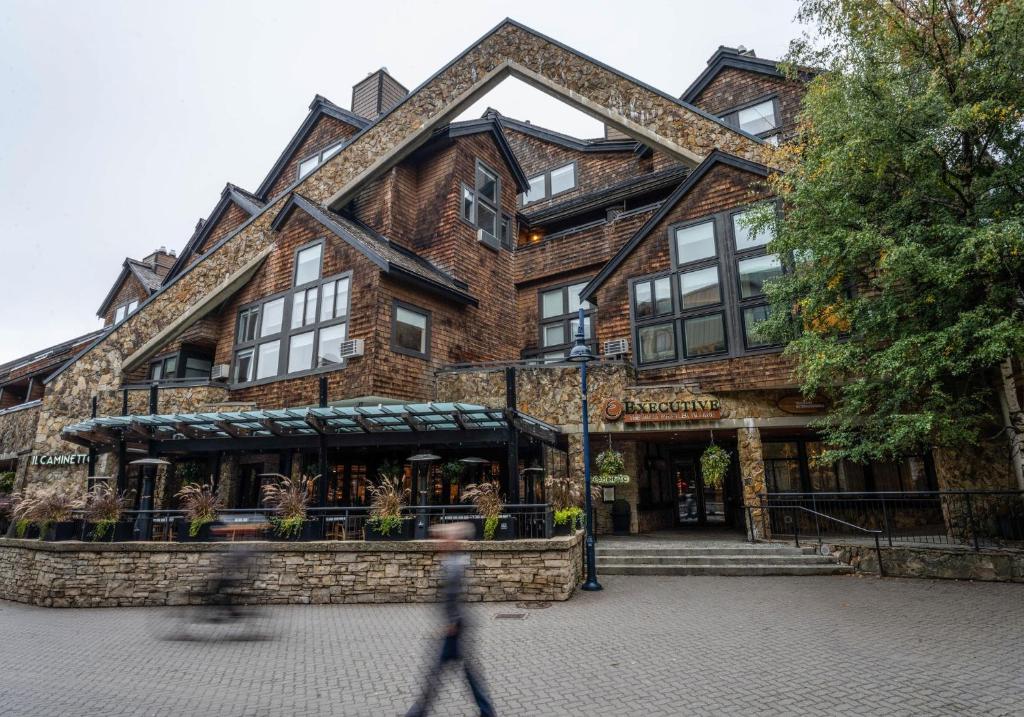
(739, 559)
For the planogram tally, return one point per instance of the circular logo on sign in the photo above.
(613, 409)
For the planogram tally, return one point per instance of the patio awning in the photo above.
(384, 423)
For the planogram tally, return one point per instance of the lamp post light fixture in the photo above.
(421, 488)
(144, 519)
(581, 354)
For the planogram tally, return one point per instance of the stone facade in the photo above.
(17, 432)
(136, 574)
(935, 562)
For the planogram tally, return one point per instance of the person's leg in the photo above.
(479, 694)
(449, 652)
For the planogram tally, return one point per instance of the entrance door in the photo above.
(698, 504)
(249, 484)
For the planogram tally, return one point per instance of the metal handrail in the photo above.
(817, 530)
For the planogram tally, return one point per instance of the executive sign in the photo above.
(58, 459)
(630, 411)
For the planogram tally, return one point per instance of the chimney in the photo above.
(377, 94)
(161, 260)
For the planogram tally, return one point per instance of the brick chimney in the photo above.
(161, 260)
(376, 94)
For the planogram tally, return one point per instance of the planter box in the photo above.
(182, 536)
(565, 528)
(64, 530)
(120, 532)
(405, 531)
(311, 530)
(507, 528)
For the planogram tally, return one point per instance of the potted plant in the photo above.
(387, 498)
(714, 464)
(487, 499)
(566, 498)
(611, 468)
(102, 510)
(21, 507)
(51, 508)
(201, 506)
(290, 502)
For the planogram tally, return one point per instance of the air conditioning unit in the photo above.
(350, 348)
(220, 372)
(487, 239)
(616, 347)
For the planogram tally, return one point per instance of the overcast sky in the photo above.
(121, 121)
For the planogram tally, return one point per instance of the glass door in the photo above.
(698, 504)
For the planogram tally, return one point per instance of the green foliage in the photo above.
(714, 464)
(385, 524)
(490, 527)
(573, 517)
(611, 468)
(6, 482)
(452, 471)
(21, 527)
(904, 198)
(201, 505)
(289, 500)
(102, 528)
(288, 526)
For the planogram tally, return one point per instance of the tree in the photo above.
(904, 209)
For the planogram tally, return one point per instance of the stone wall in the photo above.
(943, 563)
(121, 574)
(17, 431)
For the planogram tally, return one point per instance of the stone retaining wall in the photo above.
(944, 563)
(75, 574)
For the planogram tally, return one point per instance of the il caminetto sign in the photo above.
(629, 411)
(58, 459)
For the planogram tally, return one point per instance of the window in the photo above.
(298, 331)
(759, 119)
(714, 298)
(310, 163)
(189, 363)
(123, 311)
(558, 180)
(480, 204)
(410, 330)
(563, 179)
(506, 232)
(559, 319)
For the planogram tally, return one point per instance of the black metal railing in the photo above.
(974, 519)
(516, 521)
(792, 517)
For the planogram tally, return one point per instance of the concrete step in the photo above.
(713, 560)
(750, 551)
(750, 569)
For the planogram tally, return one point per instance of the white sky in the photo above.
(121, 121)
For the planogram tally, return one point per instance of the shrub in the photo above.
(387, 498)
(487, 499)
(290, 501)
(103, 506)
(573, 517)
(201, 505)
(6, 482)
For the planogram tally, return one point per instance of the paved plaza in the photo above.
(644, 646)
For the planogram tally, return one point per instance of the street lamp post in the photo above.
(581, 354)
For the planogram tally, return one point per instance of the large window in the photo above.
(793, 465)
(550, 184)
(480, 205)
(298, 331)
(410, 330)
(312, 162)
(759, 118)
(559, 309)
(709, 304)
(125, 310)
(188, 363)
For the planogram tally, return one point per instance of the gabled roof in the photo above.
(149, 279)
(715, 158)
(599, 144)
(392, 258)
(319, 107)
(491, 126)
(729, 57)
(232, 193)
(55, 350)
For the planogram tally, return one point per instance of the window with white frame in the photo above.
(480, 205)
(551, 183)
(125, 310)
(310, 163)
(558, 309)
(711, 301)
(298, 331)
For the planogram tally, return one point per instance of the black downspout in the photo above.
(322, 446)
(149, 478)
(122, 450)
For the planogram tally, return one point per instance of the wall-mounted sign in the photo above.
(799, 406)
(696, 409)
(58, 459)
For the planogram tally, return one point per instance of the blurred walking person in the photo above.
(456, 624)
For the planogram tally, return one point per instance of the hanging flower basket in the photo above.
(714, 464)
(611, 469)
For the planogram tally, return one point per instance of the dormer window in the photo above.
(543, 186)
(479, 205)
(563, 179)
(759, 119)
(123, 311)
(310, 163)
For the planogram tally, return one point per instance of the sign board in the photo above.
(695, 409)
(798, 405)
(58, 459)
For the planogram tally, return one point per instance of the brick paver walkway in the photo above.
(645, 646)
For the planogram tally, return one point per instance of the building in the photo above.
(400, 283)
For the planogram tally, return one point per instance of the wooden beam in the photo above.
(189, 430)
(232, 430)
